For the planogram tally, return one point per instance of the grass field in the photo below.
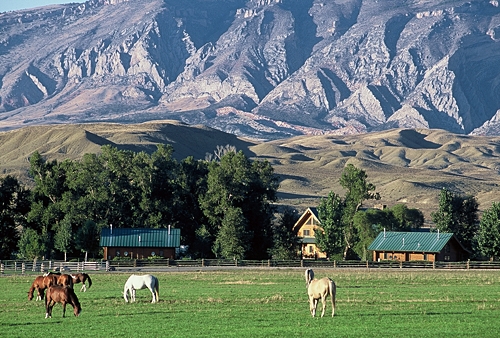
(266, 303)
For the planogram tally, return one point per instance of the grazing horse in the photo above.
(82, 278)
(137, 282)
(65, 280)
(40, 284)
(64, 295)
(319, 289)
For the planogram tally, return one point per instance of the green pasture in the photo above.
(266, 303)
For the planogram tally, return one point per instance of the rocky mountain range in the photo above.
(265, 69)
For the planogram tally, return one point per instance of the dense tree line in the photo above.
(222, 206)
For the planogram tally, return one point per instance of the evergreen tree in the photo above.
(488, 237)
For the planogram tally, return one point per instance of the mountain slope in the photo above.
(265, 69)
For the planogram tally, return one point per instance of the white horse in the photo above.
(137, 282)
(319, 289)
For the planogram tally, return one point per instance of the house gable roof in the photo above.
(140, 237)
(311, 211)
(410, 241)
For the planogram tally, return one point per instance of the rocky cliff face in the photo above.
(258, 68)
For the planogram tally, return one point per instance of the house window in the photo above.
(425, 257)
(311, 249)
(385, 255)
(447, 248)
(117, 253)
(306, 232)
(447, 258)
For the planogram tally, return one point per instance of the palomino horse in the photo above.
(64, 295)
(40, 284)
(137, 282)
(319, 289)
(81, 278)
(65, 280)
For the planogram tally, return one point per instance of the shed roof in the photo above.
(410, 241)
(140, 237)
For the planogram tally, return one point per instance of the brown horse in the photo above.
(319, 289)
(65, 280)
(64, 295)
(82, 278)
(40, 284)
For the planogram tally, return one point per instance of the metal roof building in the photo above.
(406, 246)
(140, 242)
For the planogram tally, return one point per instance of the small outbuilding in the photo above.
(418, 246)
(140, 243)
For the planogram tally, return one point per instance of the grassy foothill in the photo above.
(266, 303)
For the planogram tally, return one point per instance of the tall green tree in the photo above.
(358, 190)
(458, 214)
(285, 240)
(31, 244)
(48, 204)
(87, 238)
(237, 182)
(331, 214)
(233, 238)
(14, 205)
(488, 237)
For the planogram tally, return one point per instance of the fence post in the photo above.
(334, 264)
(268, 263)
(2, 268)
(301, 263)
(203, 262)
(433, 265)
(400, 264)
(235, 262)
(468, 264)
(50, 265)
(41, 267)
(107, 266)
(367, 264)
(23, 268)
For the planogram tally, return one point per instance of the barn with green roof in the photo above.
(140, 243)
(418, 246)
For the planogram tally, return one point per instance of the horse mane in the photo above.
(309, 274)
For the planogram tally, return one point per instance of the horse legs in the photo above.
(48, 309)
(154, 295)
(83, 288)
(323, 303)
(64, 309)
(313, 303)
(132, 292)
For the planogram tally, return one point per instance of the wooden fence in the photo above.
(30, 267)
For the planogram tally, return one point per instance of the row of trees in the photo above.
(222, 205)
(348, 230)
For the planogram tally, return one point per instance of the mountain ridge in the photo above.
(263, 69)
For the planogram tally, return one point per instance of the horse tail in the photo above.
(157, 289)
(333, 293)
(87, 277)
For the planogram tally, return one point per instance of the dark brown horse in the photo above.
(65, 280)
(81, 278)
(40, 284)
(64, 295)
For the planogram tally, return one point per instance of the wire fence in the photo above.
(37, 267)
